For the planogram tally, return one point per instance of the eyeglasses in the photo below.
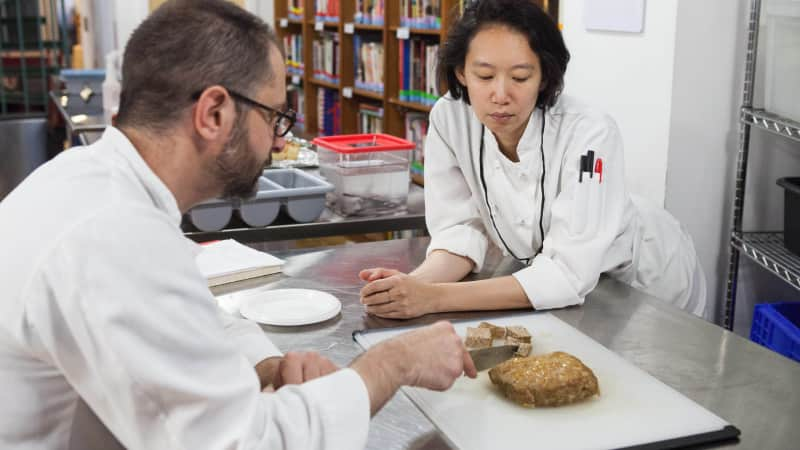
(283, 123)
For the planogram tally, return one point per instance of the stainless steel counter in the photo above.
(748, 385)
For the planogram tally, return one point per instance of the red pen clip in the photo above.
(598, 168)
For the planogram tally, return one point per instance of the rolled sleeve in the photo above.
(461, 240)
(546, 285)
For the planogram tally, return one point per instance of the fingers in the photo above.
(327, 367)
(392, 311)
(376, 273)
(469, 365)
(291, 369)
(366, 274)
(299, 367)
(384, 284)
(311, 371)
(381, 309)
(379, 298)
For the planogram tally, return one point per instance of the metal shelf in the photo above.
(767, 249)
(771, 122)
(15, 45)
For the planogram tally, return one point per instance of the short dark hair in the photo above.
(184, 47)
(523, 16)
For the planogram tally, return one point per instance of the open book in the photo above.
(228, 261)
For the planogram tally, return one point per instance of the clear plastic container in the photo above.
(369, 172)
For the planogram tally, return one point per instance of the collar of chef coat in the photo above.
(162, 197)
(528, 146)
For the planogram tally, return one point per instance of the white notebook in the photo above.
(229, 261)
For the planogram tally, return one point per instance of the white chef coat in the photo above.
(102, 301)
(590, 227)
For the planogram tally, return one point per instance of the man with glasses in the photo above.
(104, 317)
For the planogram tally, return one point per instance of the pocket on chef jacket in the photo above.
(587, 206)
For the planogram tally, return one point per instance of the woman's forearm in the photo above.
(441, 267)
(495, 293)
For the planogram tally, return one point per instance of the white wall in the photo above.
(130, 13)
(629, 75)
(706, 96)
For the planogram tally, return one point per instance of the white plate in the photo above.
(287, 307)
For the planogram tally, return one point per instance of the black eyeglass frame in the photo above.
(289, 115)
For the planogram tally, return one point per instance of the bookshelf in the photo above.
(32, 52)
(331, 33)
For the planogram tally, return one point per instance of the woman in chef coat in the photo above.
(512, 163)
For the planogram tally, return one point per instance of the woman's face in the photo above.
(503, 78)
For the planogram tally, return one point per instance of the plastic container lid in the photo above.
(363, 143)
(82, 73)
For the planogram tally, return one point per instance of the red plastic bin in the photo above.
(777, 327)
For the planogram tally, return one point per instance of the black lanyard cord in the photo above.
(528, 260)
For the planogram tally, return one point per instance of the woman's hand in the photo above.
(393, 294)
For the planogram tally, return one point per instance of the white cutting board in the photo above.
(633, 408)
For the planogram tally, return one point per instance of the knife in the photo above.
(486, 358)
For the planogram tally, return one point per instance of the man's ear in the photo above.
(214, 114)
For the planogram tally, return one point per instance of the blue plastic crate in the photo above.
(777, 327)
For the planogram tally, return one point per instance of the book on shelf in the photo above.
(416, 128)
(326, 10)
(370, 118)
(293, 43)
(368, 63)
(295, 9)
(296, 99)
(417, 61)
(423, 14)
(369, 12)
(328, 112)
(228, 261)
(325, 51)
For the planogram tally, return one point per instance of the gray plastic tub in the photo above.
(262, 208)
(211, 215)
(301, 194)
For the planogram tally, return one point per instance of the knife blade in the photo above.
(486, 358)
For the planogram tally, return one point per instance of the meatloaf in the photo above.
(553, 379)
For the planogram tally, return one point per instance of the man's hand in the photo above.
(293, 368)
(435, 356)
(431, 357)
(395, 295)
